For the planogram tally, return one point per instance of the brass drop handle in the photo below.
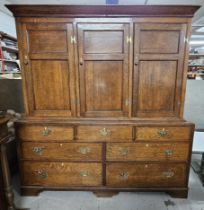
(163, 132)
(124, 175)
(124, 151)
(84, 150)
(169, 152)
(84, 173)
(46, 131)
(38, 150)
(41, 173)
(168, 174)
(105, 132)
(25, 60)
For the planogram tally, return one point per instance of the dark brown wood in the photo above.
(8, 196)
(102, 10)
(178, 193)
(106, 194)
(104, 98)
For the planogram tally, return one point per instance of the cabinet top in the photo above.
(102, 10)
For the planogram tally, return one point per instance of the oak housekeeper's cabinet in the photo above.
(104, 91)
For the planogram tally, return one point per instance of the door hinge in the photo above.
(73, 40)
(129, 39)
(186, 40)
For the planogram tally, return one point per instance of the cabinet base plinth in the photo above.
(178, 193)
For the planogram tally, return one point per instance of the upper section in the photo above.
(102, 10)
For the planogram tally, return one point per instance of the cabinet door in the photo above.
(158, 69)
(48, 69)
(103, 69)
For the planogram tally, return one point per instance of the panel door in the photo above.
(158, 69)
(48, 69)
(103, 69)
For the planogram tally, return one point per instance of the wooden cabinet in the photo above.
(104, 91)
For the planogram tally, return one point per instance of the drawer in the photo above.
(61, 174)
(61, 151)
(104, 133)
(147, 151)
(146, 175)
(163, 133)
(45, 133)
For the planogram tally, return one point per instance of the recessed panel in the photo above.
(51, 85)
(157, 85)
(159, 41)
(103, 41)
(103, 85)
(48, 41)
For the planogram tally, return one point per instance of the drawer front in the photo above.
(61, 174)
(163, 133)
(145, 175)
(147, 151)
(45, 133)
(104, 133)
(61, 151)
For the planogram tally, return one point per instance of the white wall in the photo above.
(194, 103)
(7, 24)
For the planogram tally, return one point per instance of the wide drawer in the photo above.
(45, 133)
(104, 133)
(61, 174)
(147, 151)
(61, 151)
(163, 133)
(145, 175)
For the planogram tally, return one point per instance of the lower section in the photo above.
(105, 191)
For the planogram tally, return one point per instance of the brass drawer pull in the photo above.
(38, 150)
(168, 174)
(169, 152)
(163, 132)
(84, 173)
(124, 175)
(84, 150)
(46, 131)
(41, 173)
(105, 132)
(124, 151)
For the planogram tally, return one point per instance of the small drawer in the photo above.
(146, 175)
(61, 151)
(147, 151)
(163, 133)
(61, 174)
(45, 133)
(104, 133)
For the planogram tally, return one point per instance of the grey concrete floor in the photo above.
(71, 200)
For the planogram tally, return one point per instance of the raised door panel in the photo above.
(103, 70)
(158, 72)
(48, 58)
